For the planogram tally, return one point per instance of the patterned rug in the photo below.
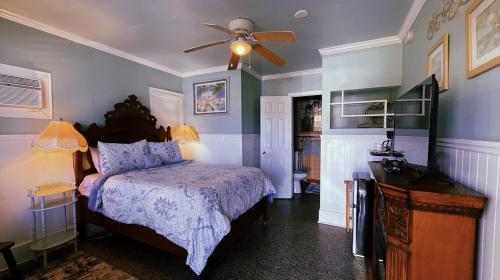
(81, 266)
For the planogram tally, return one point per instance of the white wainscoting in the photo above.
(216, 148)
(475, 164)
(20, 170)
(341, 155)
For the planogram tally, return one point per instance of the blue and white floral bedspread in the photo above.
(191, 204)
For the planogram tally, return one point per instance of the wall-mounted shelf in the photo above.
(353, 104)
(350, 109)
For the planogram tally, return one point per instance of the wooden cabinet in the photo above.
(429, 226)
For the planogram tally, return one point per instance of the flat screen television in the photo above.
(415, 125)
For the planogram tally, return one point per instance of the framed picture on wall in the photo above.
(211, 97)
(437, 62)
(482, 36)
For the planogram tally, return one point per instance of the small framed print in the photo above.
(482, 36)
(437, 62)
(211, 97)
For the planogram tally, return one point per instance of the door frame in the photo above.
(302, 94)
(158, 92)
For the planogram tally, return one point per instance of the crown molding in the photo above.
(410, 17)
(203, 71)
(379, 42)
(84, 41)
(293, 74)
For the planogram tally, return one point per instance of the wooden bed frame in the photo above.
(130, 121)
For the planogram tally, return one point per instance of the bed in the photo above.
(189, 209)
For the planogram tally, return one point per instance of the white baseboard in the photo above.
(331, 218)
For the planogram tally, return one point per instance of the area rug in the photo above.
(81, 266)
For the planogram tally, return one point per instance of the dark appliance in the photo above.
(415, 115)
(362, 216)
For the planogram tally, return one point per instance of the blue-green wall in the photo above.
(362, 69)
(282, 87)
(251, 91)
(85, 82)
(220, 123)
(470, 108)
(244, 104)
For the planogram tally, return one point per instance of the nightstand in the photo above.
(48, 198)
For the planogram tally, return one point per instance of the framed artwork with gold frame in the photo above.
(482, 36)
(437, 62)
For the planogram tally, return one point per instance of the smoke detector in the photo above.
(301, 14)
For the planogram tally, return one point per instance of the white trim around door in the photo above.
(167, 95)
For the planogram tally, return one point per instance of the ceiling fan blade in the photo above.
(269, 55)
(211, 44)
(233, 61)
(282, 36)
(221, 28)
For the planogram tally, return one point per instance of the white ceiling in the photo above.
(158, 30)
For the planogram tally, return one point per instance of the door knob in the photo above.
(264, 152)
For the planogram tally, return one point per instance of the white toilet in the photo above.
(297, 177)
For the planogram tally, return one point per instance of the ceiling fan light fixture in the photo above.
(240, 47)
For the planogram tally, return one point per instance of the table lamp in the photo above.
(59, 136)
(184, 133)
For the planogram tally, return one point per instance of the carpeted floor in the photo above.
(293, 246)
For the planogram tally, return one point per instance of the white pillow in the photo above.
(122, 157)
(168, 151)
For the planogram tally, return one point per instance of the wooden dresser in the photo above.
(429, 226)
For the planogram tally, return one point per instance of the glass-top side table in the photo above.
(46, 198)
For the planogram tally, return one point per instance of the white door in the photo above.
(166, 106)
(276, 142)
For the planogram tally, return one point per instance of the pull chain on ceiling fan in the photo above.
(244, 41)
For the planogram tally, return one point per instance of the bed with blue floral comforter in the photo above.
(191, 204)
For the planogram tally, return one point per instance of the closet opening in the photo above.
(307, 121)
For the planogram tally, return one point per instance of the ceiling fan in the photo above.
(244, 41)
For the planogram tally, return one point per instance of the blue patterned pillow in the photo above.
(168, 151)
(152, 160)
(122, 157)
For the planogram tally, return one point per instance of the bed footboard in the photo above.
(150, 237)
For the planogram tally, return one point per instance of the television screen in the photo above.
(415, 122)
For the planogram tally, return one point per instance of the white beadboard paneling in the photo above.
(20, 170)
(341, 155)
(216, 148)
(476, 164)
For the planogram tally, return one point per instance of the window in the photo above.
(25, 93)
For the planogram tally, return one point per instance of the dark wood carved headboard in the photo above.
(130, 121)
